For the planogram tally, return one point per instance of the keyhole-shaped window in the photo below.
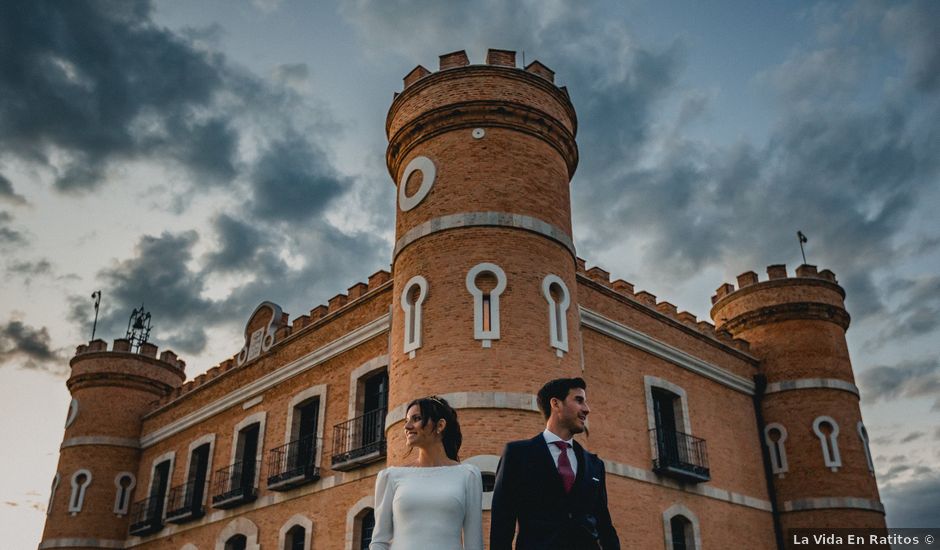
(863, 435)
(775, 437)
(55, 485)
(486, 282)
(412, 297)
(828, 432)
(80, 481)
(125, 483)
(556, 294)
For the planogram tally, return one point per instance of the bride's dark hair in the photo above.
(435, 408)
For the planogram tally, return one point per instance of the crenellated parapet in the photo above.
(650, 302)
(269, 320)
(495, 94)
(94, 364)
(810, 294)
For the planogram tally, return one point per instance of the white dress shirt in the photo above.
(556, 452)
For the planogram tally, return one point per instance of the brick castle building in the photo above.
(714, 436)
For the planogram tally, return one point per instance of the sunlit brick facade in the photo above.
(723, 435)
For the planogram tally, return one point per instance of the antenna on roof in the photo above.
(96, 296)
(803, 240)
(138, 328)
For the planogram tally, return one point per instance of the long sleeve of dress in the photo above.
(473, 516)
(384, 525)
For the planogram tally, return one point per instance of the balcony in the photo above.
(235, 485)
(293, 465)
(185, 503)
(679, 455)
(359, 441)
(146, 516)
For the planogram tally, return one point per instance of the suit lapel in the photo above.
(584, 475)
(544, 461)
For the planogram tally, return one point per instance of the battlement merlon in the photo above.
(495, 94)
(95, 364)
(810, 294)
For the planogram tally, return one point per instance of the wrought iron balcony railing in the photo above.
(293, 464)
(185, 502)
(679, 455)
(359, 441)
(235, 484)
(146, 516)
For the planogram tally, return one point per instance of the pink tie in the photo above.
(564, 466)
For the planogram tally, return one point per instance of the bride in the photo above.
(429, 504)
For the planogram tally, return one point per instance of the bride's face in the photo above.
(419, 433)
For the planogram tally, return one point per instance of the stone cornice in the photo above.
(336, 347)
(644, 342)
(790, 311)
(488, 113)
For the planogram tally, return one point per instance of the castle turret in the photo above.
(484, 263)
(817, 445)
(95, 481)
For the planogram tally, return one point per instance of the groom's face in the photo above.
(573, 410)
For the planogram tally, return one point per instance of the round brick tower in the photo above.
(817, 446)
(99, 457)
(484, 264)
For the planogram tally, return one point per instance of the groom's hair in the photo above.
(557, 388)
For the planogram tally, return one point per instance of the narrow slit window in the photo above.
(558, 298)
(80, 482)
(775, 436)
(863, 435)
(827, 431)
(486, 282)
(412, 298)
(124, 484)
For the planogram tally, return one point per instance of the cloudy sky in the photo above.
(200, 157)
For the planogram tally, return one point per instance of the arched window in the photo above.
(488, 464)
(828, 432)
(775, 437)
(296, 533)
(55, 485)
(681, 528)
(486, 282)
(366, 524)
(237, 542)
(80, 482)
(412, 297)
(863, 435)
(238, 534)
(124, 483)
(558, 298)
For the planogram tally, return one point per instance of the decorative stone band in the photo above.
(788, 312)
(812, 383)
(105, 440)
(709, 491)
(81, 543)
(833, 503)
(634, 338)
(489, 114)
(131, 381)
(485, 219)
(474, 400)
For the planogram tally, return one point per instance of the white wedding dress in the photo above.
(428, 508)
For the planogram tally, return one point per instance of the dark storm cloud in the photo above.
(159, 278)
(908, 379)
(99, 82)
(27, 346)
(8, 235)
(7, 194)
(27, 271)
(918, 313)
(293, 181)
(909, 504)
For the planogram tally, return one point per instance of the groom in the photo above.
(550, 484)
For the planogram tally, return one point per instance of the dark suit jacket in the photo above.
(529, 489)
